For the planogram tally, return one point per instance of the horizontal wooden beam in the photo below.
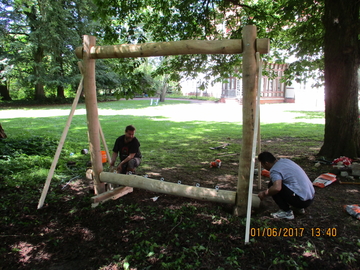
(225, 46)
(199, 193)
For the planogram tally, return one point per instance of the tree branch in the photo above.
(18, 33)
(237, 3)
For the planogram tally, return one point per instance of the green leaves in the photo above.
(35, 145)
(294, 27)
(38, 39)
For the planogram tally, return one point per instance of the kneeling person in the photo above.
(289, 185)
(127, 148)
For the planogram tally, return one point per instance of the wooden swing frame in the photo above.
(249, 46)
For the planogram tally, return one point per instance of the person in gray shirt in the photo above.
(289, 185)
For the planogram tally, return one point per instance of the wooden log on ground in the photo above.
(112, 194)
(181, 47)
(199, 193)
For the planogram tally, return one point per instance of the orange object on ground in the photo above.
(103, 156)
(324, 180)
(215, 164)
(265, 173)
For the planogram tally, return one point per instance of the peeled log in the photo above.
(225, 46)
(199, 193)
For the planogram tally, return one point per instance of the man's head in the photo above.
(129, 133)
(267, 160)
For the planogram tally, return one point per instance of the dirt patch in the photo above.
(179, 233)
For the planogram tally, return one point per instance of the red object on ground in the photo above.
(215, 164)
(345, 161)
(265, 173)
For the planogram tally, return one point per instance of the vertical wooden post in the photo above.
(92, 112)
(249, 109)
(258, 151)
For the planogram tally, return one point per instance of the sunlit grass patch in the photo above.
(180, 145)
(309, 114)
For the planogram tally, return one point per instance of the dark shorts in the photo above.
(131, 164)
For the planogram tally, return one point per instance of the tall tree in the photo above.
(342, 60)
(69, 21)
(4, 90)
(311, 30)
(36, 22)
(6, 67)
(42, 36)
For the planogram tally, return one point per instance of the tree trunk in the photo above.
(342, 136)
(2, 133)
(39, 86)
(60, 88)
(164, 88)
(38, 52)
(4, 92)
(39, 91)
(60, 91)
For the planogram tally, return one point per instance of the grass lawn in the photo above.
(168, 136)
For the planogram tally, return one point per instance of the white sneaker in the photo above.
(283, 214)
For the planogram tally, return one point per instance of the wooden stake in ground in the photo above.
(61, 144)
(251, 180)
(259, 86)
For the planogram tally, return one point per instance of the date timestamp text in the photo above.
(293, 232)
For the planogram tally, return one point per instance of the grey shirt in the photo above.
(293, 177)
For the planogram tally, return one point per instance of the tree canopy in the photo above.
(149, 21)
(302, 29)
(38, 39)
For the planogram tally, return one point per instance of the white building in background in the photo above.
(308, 96)
(190, 87)
(273, 89)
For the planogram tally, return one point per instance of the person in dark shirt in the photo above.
(127, 148)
